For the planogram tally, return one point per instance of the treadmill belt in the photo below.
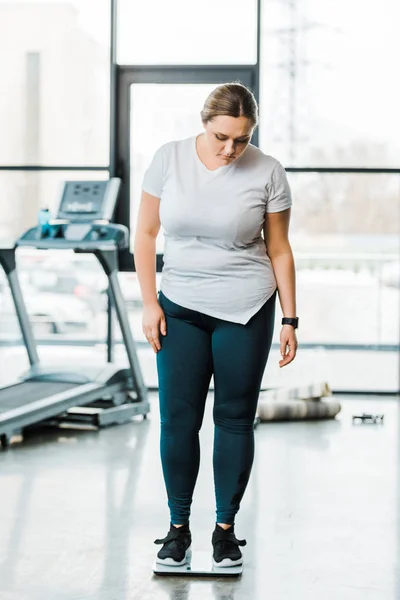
(24, 393)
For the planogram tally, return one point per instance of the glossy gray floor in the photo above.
(79, 512)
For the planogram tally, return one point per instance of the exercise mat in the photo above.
(297, 403)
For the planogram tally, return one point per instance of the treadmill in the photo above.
(96, 395)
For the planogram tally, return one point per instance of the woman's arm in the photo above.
(276, 232)
(147, 228)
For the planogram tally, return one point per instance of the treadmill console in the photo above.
(83, 220)
(88, 201)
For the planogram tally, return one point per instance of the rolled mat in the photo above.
(292, 410)
(303, 402)
(311, 391)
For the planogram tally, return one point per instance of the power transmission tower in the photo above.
(290, 94)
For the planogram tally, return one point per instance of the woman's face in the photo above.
(228, 137)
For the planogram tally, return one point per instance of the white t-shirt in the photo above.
(215, 259)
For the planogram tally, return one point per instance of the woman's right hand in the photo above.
(153, 322)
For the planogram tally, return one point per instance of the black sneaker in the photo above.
(226, 547)
(176, 549)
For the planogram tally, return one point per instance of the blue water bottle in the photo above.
(43, 222)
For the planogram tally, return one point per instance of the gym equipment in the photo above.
(368, 418)
(99, 395)
(297, 403)
(311, 391)
(199, 566)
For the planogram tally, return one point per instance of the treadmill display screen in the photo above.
(83, 200)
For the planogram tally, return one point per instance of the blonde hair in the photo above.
(232, 100)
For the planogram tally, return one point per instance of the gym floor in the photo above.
(79, 511)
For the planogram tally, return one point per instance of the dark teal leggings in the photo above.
(196, 347)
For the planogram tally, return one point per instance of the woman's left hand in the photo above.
(288, 345)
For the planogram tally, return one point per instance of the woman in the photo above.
(214, 195)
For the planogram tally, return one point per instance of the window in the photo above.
(54, 84)
(157, 32)
(328, 93)
(345, 237)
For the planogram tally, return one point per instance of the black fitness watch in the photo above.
(291, 321)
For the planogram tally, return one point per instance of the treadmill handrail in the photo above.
(7, 261)
(109, 262)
